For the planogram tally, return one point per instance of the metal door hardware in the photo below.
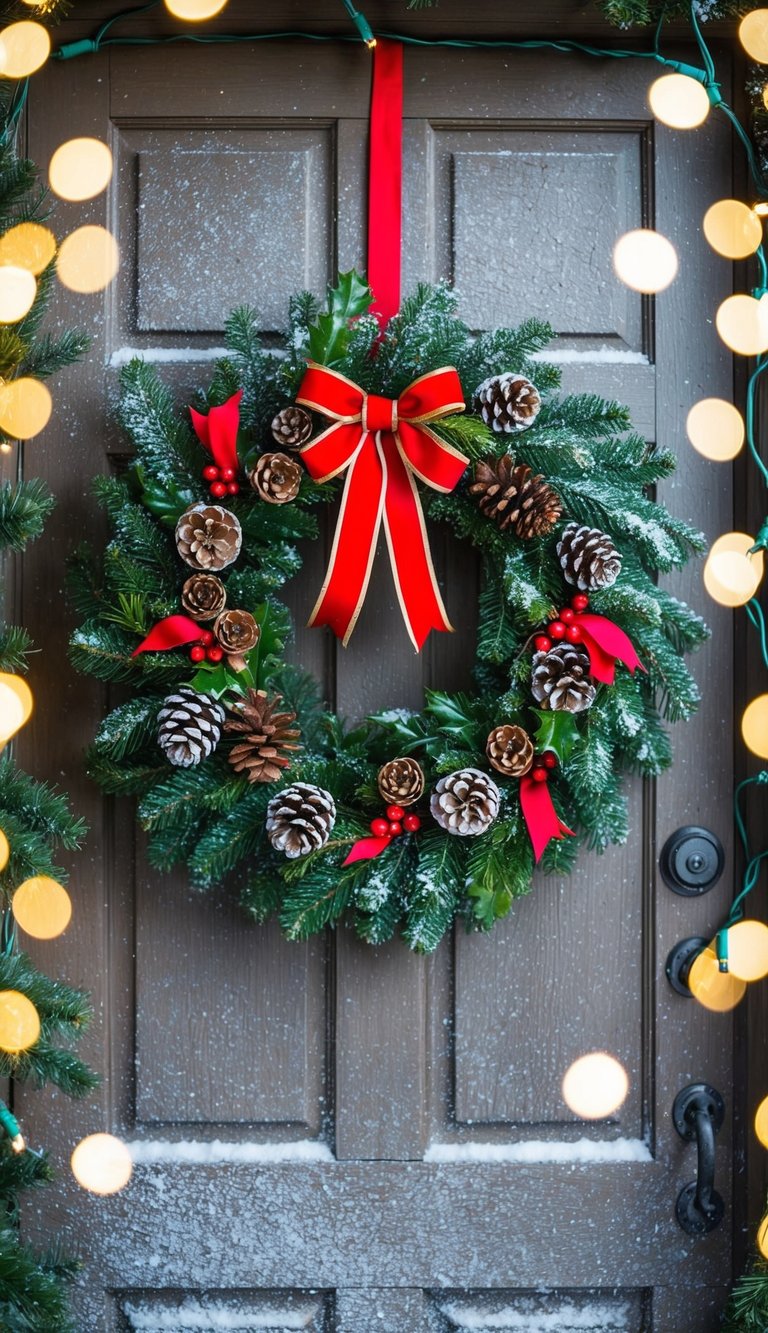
(692, 861)
(698, 1114)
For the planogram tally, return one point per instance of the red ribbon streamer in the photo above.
(606, 643)
(172, 632)
(383, 444)
(365, 849)
(217, 431)
(385, 172)
(541, 817)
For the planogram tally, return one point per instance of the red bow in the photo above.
(606, 644)
(384, 443)
(218, 431)
(169, 633)
(541, 817)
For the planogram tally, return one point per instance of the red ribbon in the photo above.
(541, 817)
(606, 644)
(365, 849)
(385, 171)
(172, 632)
(218, 431)
(383, 443)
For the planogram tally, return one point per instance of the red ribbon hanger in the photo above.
(385, 179)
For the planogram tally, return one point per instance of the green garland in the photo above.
(211, 817)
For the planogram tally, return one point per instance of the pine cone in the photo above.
(511, 496)
(236, 632)
(401, 782)
(507, 402)
(189, 726)
(203, 596)
(588, 557)
(268, 737)
(208, 537)
(465, 802)
(560, 679)
(510, 750)
(300, 819)
(292, 427)
(277, 478)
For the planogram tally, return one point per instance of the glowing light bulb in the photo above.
(29, 245)
(88, 259)
(715, 990)
(761, 1122)
(80, 169)
(19, 1022)
(5, 850)
(17, 292)
(748, 950)
(16, 704)
(595, 1085)
(24, 47)
(102, 1164)
(715, 429)
(645, 260)
(731, 574)
(42, 907)
(742, 322)
(762, 1237)
(25, 408)
(679, 101)
(194, 11)
(760, 209)
(754, 726)
(753, 35)
(732, 229)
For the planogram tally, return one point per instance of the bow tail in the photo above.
(409, 553)
(354, 544)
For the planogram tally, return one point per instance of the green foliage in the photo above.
(64, 1013)
(330, 333)
(24, 507)
(747, 1310)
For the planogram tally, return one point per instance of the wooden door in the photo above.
(329, 1137)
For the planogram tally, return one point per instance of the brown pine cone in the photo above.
(510, 750)
(236, 632)
(292, 427)
(507, 403)
(511, 496)
(189, 726)
(300, 819)
(277, 478)
(208, 537)
(203, 596)
(465, 803)
(588, 557)
(560, 679)
(401, 782)
(268, 737)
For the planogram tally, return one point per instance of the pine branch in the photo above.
(15, 647)
(24, 507)
(50, 353)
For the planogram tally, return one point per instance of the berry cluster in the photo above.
(543, 765)
(223, 481)
(207, 650)
(564, 626)
(396, 822)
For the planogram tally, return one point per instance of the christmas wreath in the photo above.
(409, 819)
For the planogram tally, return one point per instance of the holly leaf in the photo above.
(488, 904)
(218, 679)
(557, 731)
(329, 335)
(267, 656)
(453, 714)
(163, 499)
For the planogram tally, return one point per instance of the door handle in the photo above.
(698, 1114)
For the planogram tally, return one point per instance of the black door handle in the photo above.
(698, 1114)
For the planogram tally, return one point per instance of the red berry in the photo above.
(550, 759)
(228, 474)
(567, 615)
(580, 602)
(211, 473)
(215, 653)
(395, 812)
(395, 828)
(411, 823)
(556, 629)
(539, 774)
(197, 654)
(542, 643)
(233, 488)
(218, 489)
(207, 637)
(573, 634)
(379, 828)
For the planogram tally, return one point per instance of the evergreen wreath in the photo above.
(409, 819)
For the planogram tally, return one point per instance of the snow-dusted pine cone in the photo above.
(560, 679)
(510, 750)
(236, 632)
(292, 427)
(507, 403)
(189, 726)
(203, 596)
(300, 819)
(401, 782)
(513, 497)
(208, 537)
(588, 557)
(277, 478)
(268, 738)
(465, 802)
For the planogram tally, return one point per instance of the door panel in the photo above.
(345, 1138)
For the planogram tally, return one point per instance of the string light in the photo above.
(19, 1022)
(194, 11)
(733, 570)
(42, 907)
(679, 101)
(595, 1086)
(28, 245)
(88, 259)
(742, 322)
(5, 850)
(748, 950)
(17, 293)
(102, 1164)
(715, 990)
(753, 35)
(754, 726)
(24, 48)
(80, 169)
(762, 1237)
(12, 1128)
(732, 229)
(361, 23)
(645, 260)
(25, 407)
(715, 428)
(16, 704)
(761, 1122)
